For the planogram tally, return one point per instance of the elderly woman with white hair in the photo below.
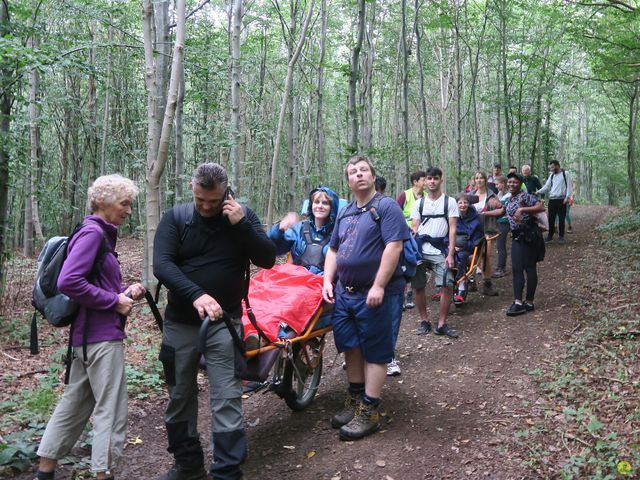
(97, 384)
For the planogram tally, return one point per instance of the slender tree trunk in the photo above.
(458, 104)
(156, 163)
(631, 145)
(179, 165)
(405, 88)
(6, 100)
(107, 101)
(235, 93)
(423, 99)
(34, 138)
(283, 109)
(353, 79)
(92, 134)
(319, 132)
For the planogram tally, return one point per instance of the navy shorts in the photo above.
(371, 329)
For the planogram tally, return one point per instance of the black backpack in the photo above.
(58, 309)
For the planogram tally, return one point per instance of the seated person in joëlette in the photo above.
(469, 232)
(307, 240)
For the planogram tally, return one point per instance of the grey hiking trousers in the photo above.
(180, 357)
(96, 387)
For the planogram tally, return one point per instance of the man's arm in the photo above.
(165, 256)
(569, 187)
(260, 248)
(388, 265)
(402, 199)
(329, 276)
(453, 225)
(547, 185)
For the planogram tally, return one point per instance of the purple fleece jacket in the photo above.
(97, 299)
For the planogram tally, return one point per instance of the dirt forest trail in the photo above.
(452, 413)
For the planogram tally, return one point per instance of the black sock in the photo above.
(44, 475)
(370, 401)
(356, 388)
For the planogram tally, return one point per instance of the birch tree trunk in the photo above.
(157, 156)
(423, 100)
(235, 93)
(179, 165)
(353, 79)
(107, 101)
(405, 88)
(631, 145)
(283, 110)
(34, 138)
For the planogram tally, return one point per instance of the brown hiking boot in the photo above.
(365, 422)
(487, 289)
(345, 415)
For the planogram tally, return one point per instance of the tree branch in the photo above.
(192, 12)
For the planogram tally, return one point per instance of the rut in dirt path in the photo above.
(451, 414)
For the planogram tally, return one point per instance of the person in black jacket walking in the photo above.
(201, 253)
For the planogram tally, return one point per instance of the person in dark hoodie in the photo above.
(469, 232)
(308, 240)
(97, 385)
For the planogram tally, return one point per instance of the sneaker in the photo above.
(498, 273)
(408, 301)
(547, 239)
(529, 307)
(345, 415)
(458, 300)
(487, 289)
(569, 229)
(178, 472)
(393, 369)
(516, 309)
(365, 422)
(561, 241)
(445, 330)
(424, 327)
(436, 296)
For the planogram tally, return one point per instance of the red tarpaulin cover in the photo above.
(286, 293)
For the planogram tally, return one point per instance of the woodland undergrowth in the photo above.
(588, 413)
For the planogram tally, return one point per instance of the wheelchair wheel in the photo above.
(301, 375)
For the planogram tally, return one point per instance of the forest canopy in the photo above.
(281, 93)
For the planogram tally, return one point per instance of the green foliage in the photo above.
(17, 452)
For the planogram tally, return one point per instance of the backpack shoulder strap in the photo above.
(183, 213)
(306, 232)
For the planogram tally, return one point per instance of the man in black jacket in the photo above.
(201, 253)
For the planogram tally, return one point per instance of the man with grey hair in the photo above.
(202, 251)
(531, 182)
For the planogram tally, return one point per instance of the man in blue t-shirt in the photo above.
(363, 252)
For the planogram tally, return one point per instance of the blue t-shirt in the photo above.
(359, 241)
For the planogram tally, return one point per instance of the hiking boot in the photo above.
(393, 369)
(487, 289)
(424, 327)
(569, 229)
(252, 342)
(365, 422)
(529, 307)
(345, 415)
(178, 472)
(561, 241)
(516, 309)
(445, 330)
(458, 300)
(497, 273)
(408, 301)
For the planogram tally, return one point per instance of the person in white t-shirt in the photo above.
(434, 218)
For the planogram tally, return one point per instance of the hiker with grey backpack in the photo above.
(97, 384)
